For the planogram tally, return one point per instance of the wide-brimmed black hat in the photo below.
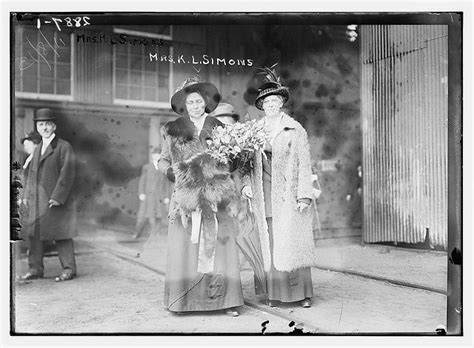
(272, 86)
(31, 136)
(225, 109)
(206, 89)
(44, 114)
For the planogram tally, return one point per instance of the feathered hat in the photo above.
(207, 90)
(272, 86)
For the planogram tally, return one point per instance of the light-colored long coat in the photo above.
(51, 176)
(291, 180)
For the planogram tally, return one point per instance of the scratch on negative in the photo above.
(342, 297)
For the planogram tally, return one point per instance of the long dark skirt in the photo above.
(185, 288)
(287, 286)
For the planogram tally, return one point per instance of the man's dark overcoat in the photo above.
(51, 176)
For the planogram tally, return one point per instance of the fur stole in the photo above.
(201, 182)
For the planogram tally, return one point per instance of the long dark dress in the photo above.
(282, 286)
(185, 288)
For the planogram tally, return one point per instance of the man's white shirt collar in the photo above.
(46, 143)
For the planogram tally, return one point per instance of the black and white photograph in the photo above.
(236, 173)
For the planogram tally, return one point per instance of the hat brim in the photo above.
(44, 114)
(36, 119)
(234, 116)
(206, 89)
(281, 91)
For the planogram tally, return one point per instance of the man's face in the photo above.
(29, 146)
(45, 128)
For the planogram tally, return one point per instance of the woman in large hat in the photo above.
(281, 191)
(196, 281)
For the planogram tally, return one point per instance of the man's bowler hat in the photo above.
(44, 114)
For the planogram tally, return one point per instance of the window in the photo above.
(137, 79)
(43, 63)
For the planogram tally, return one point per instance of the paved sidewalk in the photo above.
(344, 301)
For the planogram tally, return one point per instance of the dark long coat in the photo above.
(186, 289)
(51, 176)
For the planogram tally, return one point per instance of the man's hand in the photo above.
(53, 203)
(247, 192)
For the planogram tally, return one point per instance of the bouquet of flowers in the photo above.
(238, 142)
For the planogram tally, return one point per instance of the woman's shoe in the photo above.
(232, 312)
(306, 303)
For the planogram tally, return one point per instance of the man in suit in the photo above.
(50, 203)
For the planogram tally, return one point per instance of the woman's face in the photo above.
(29, 146)
(272, 105)
(195, 105)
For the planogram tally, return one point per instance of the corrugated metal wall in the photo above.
(404, 101)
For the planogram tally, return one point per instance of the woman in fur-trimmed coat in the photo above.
(203, 274)
(282, 195)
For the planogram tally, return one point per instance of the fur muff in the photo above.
(201, 182)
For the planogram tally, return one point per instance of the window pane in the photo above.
(136, 48)
(120, 49)
(30, 84)
(47, 86)
(30, 39)
(150, 65)
(121, 92)
(164, 50)
(121, 61)
(63, 71)
(150, 94)
(163, 80)
(135, 62)
(46, 70)
(64, 52)
(63, 38)
(136, 93)
(135, 77)
(45, 36)
(121, 77)
(63, 87)
(151, 80)
(164, 69)
(49, 60)
(164, 94)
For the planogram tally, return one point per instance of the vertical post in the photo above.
(454, 308)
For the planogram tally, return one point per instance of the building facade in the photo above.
(111, 86)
